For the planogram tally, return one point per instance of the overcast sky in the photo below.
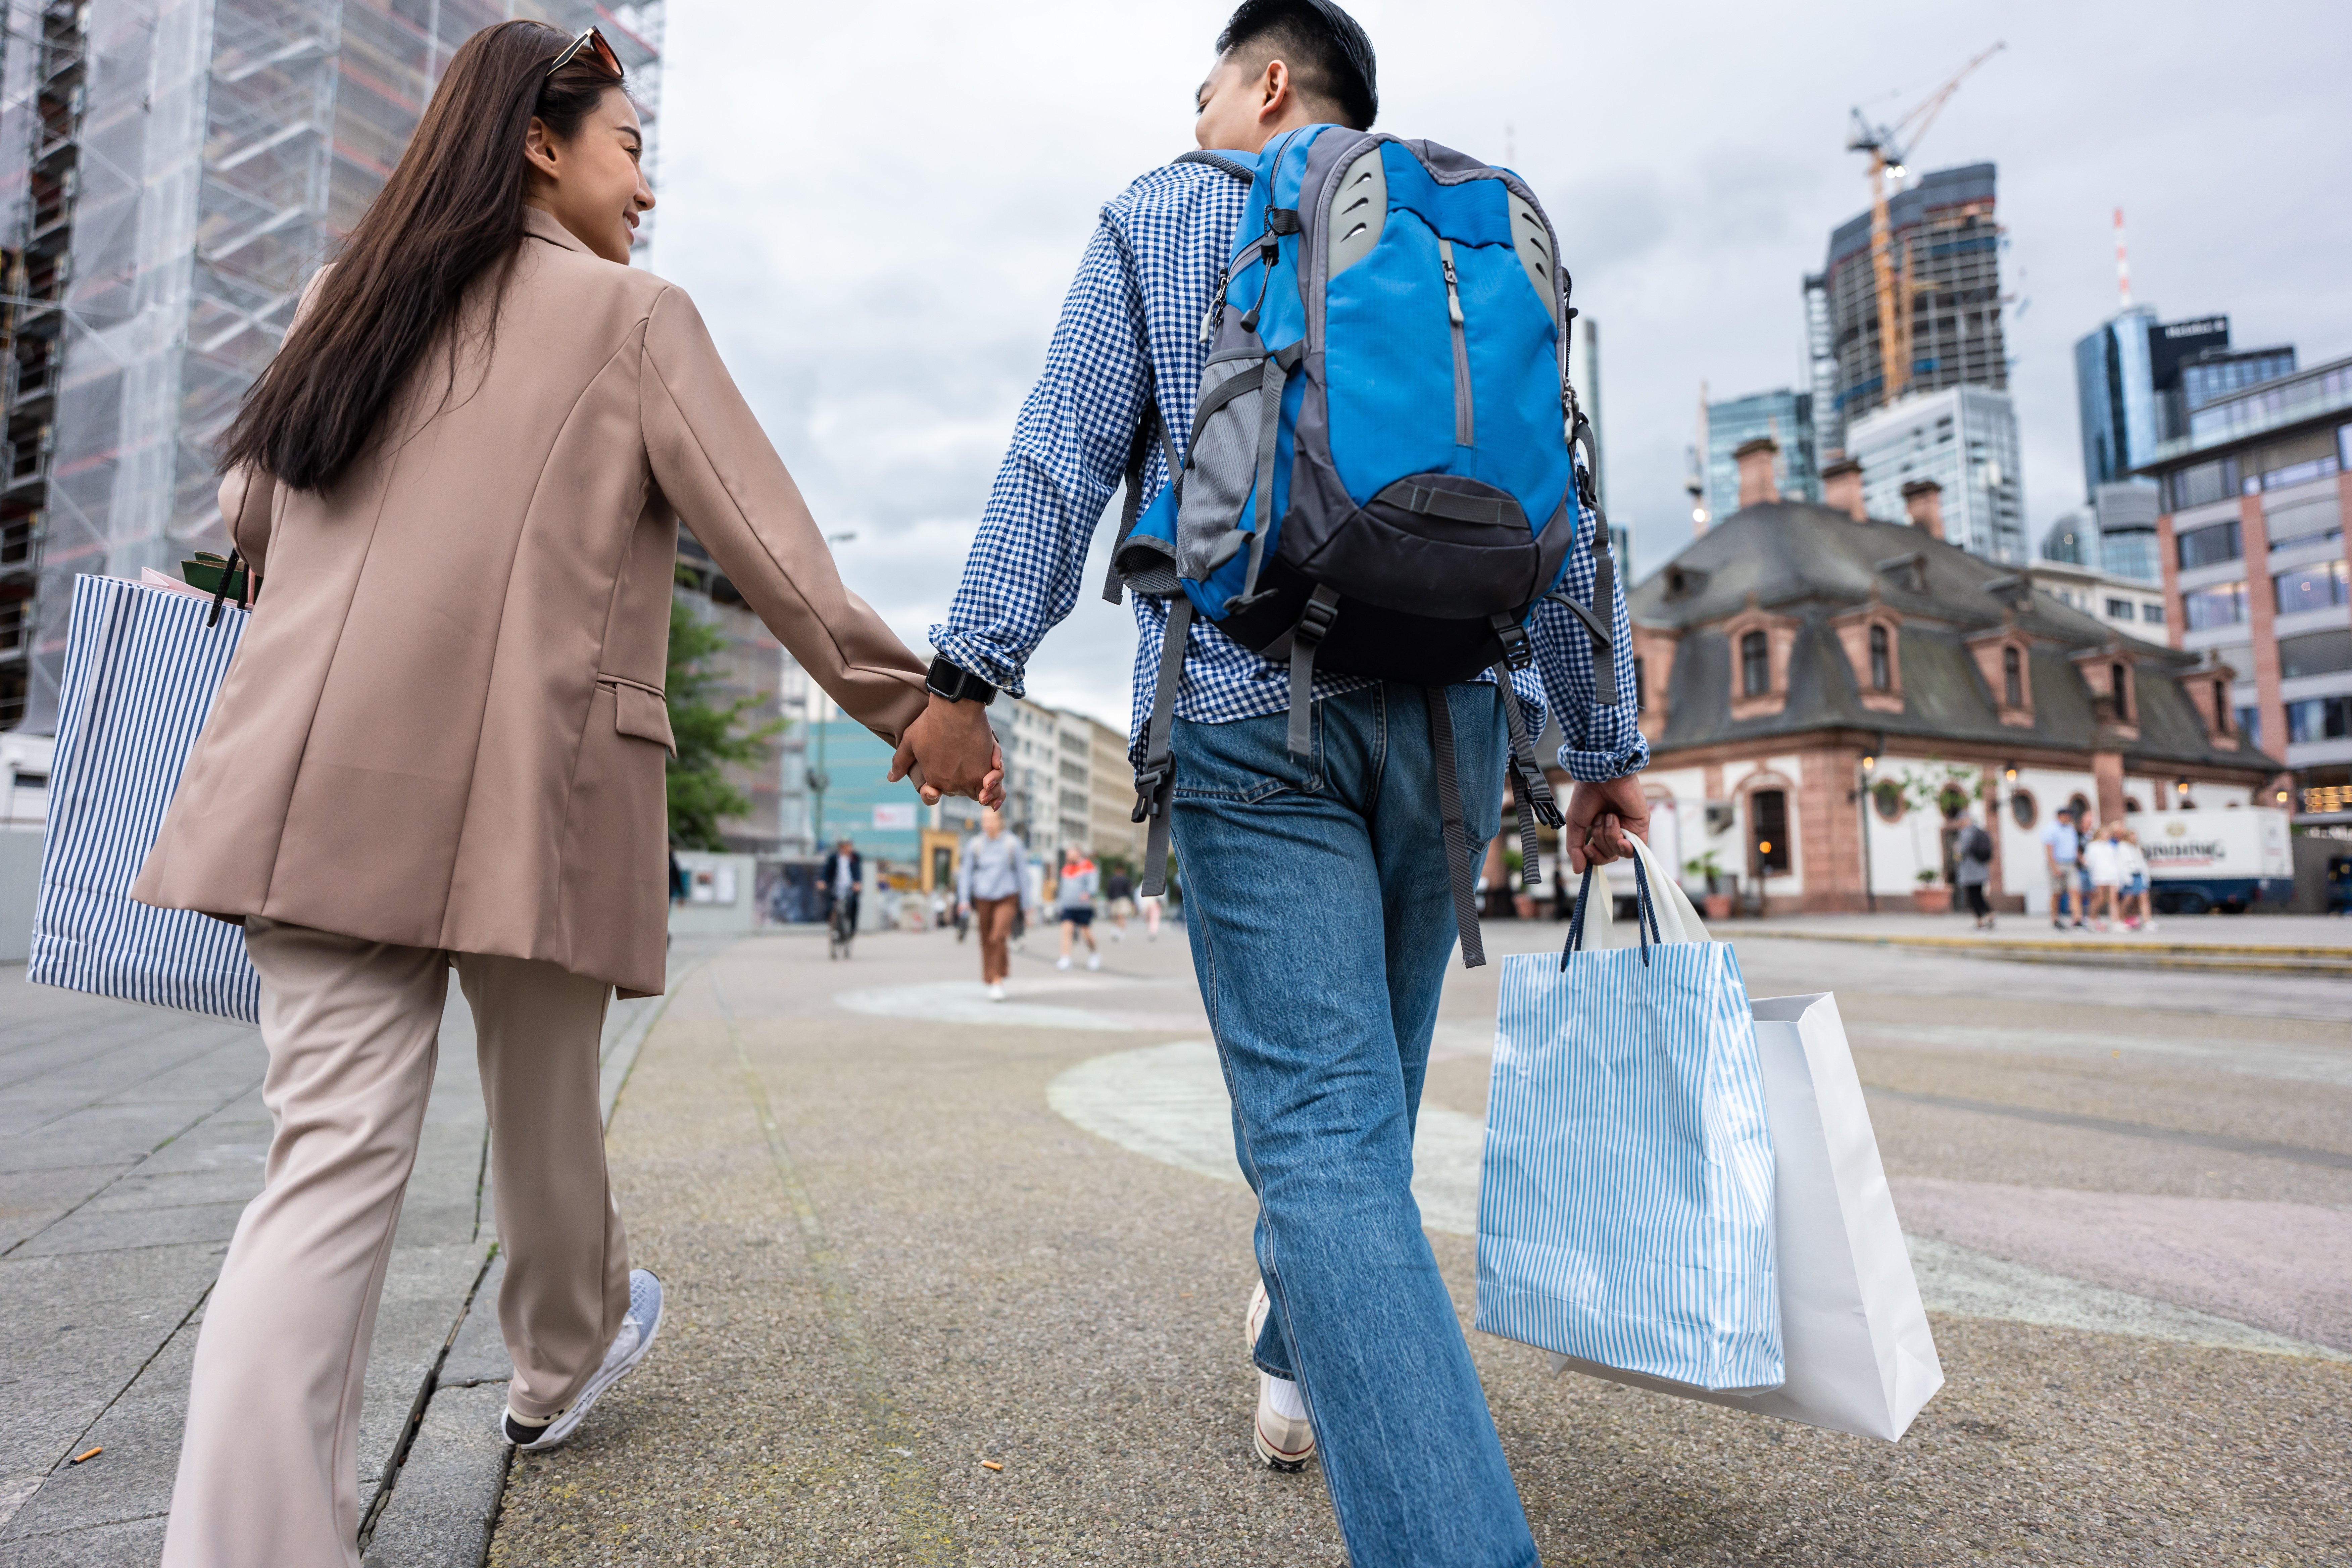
(878, 210)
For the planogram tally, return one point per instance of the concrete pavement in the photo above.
(130, 1138)
(910, 1236)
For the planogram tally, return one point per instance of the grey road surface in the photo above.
(963, 1283)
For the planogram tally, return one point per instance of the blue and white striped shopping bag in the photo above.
(142, 667)
(1625, 1208)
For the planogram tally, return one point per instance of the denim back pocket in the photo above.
(1244, 761)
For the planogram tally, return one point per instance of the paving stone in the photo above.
(143, 1187)
(479, 1355)
(101, 1230)
(97, 1135)
(440, 1513)
(30, 1200)
(133, 1478)
(133, 1543)
(421, 1288)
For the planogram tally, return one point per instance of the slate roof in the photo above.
(1810, 563)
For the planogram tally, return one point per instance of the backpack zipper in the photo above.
(1464, 434)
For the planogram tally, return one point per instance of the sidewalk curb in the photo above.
(438, 1506)
(2205, 957)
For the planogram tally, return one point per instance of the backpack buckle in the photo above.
(1315, 620)
(1517, 651)
(1151, 785)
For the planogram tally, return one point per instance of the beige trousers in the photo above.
(269, 1468)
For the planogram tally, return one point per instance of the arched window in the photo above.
(2012, 677)
(2116, 683)
(1755, 666)
(1882, 665)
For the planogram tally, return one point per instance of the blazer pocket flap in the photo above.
(642, 713)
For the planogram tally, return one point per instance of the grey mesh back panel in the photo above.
(1220, 470)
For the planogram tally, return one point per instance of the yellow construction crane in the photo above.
(1886, 160)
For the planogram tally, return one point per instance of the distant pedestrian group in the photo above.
(2098, 876)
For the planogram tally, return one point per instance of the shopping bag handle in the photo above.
(1645, 913)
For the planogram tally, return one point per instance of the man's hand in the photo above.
(956, 751)
(1599, 815)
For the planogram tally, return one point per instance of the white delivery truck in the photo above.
(2230, 860)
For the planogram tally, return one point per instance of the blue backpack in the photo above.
(1379, 480)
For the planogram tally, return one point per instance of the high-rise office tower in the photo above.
(172, 171)
(1947, 254)
(1787, 418)
(1964, 439)
(2137, 379)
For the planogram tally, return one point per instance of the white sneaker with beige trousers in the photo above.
(442, 741)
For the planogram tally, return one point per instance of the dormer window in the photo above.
(1882, 667)
(1754, 665)
(2013, 677)
(2118, 684)
(2221, 706)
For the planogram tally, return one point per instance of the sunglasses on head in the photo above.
(593, 41)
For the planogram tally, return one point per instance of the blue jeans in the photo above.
(1321, 918)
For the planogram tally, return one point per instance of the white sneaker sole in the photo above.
(559, 1431)
(1270, 1453)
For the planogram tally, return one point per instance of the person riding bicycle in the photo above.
(844, 875)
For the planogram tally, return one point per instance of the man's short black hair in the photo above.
(1328, 55)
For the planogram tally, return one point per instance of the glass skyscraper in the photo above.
(1786, 417)
(1964, 438)
(2138, 379)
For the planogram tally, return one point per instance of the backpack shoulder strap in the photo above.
(1241, 171)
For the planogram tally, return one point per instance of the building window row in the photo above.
(2225, 605)
(2318, 719)
(2211, 546)
(2312, 588)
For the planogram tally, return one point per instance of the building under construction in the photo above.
(172, 171)
(1947, 260)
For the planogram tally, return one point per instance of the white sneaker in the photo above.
(621, 1358)
(1283, 1437)
(996, 992)
(1094, 961)
(1063, 961)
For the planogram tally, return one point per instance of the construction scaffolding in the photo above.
(172, 171)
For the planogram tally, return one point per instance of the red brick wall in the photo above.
(2261, 619)
(1829, 831)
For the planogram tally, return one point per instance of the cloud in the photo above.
(878, 212)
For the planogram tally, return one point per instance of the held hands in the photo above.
(955, 751)
(1600, 816)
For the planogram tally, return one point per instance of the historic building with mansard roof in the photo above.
(1812, 680)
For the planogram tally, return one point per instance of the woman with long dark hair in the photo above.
(441, 745)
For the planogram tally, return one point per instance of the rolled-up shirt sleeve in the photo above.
(1601, 741)
(1069, 452)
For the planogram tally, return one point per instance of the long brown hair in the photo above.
(452, 211)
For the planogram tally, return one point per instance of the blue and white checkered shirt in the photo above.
(1132, 325)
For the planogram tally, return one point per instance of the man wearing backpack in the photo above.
(1322, 1007)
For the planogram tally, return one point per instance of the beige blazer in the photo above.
(445, 726)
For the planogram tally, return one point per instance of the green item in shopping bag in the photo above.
(205, 571)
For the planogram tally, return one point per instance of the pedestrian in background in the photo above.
(993, 887)
(2135, 880)
(2061, 847)
(843, 878)
(1973, 852)
(441, 744)
(1118, 898)
(2103, 867)
(1073, 904)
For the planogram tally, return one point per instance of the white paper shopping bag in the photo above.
(1858, 1352)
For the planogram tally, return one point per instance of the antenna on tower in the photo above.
(2122, 261)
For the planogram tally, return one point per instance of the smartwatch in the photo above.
(957, 684)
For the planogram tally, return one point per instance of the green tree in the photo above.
(709, 735)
